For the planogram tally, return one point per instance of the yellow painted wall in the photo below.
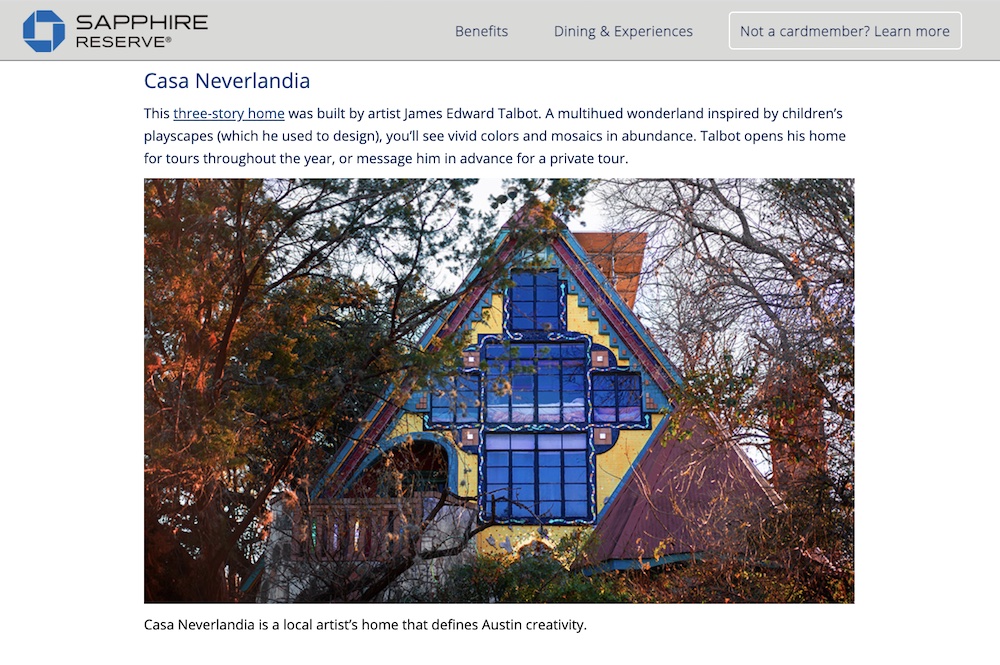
(577, 321)
(468, 474)
(615, 463)
(491, 321)
(611, 466)
(409, 422)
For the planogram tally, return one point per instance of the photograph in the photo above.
(499, 391)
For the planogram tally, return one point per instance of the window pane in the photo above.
(522, 414)
(548, 278)
(629, 382)
(549, 509)
(523, 278)
(548, 366)
(524, 475)
(522, 441)
(548, 414)
(497, 414)
(498, 442)
(547, 301)
(524, 493)
(497, 459)
(497, 476)
(604, 398)
(573, 384)
(574, 398)
(604, 383)
(630, 414)
(549, 442)
(550, 492)
(604, 414)
(521, 383)
(518, 511)
(547, 473)
(630, 397)
(550, 459)
(547, 323)
(501, 505)
(548, 385)
(533, 301)
(523, 459)
(494, 490)
(546, 398)
(466, 411)
(495, 350)
(522, 296)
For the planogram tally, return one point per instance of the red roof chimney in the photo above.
(619, 256)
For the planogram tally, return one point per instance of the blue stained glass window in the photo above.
(456, 400)
(617, 398)
(534, 301)
(531, 477)
(536, 383)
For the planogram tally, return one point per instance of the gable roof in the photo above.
(685, 495)
(603, 299)
(630, 526)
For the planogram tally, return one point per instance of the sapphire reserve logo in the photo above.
(44, 31)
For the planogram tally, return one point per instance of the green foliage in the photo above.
(276, 312)
(560, 197)
(536, 575)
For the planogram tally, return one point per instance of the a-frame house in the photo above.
(557, 418)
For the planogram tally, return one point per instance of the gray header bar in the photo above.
(346, 30)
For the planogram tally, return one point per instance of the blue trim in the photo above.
(568, 284)
(258, 568)
(385, 446)
(637, 564)
(619, 303)
(653, 438)
(352, 441)
(591, 469)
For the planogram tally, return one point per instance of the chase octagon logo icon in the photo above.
(44, 31)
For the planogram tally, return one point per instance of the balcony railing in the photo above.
(367, 529)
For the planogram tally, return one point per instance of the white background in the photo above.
(922, 144)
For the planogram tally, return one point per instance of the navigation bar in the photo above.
(546, 30)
